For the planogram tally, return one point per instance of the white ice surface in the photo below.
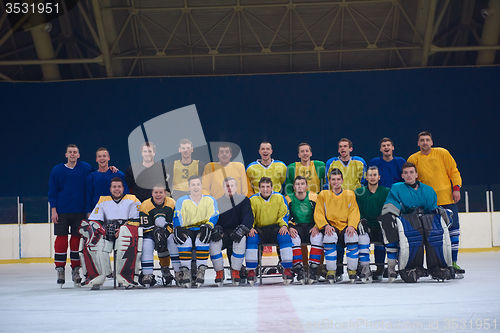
(31, 301)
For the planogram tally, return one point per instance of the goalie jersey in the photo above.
(126, 209)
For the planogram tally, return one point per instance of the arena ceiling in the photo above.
(150, 38)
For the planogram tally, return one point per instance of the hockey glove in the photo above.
(111, 227)
(180, 235)
(217, 233)
(205, 233)
(363, 227)
(239, 232)
(160, 236)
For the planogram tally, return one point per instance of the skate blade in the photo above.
(61, 285)
(287, 282)
(352, 281)
(219, 284)
(302, 282)
(236, 284)
(366, 280)
(331, 281)
(77, 284)
(310, 281)
(391, 280)
(251, 283)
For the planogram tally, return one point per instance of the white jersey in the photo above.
(107, 209)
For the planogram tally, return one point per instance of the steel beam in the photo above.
(428, 33)
(491, 33)
(102, 38)
(98, 60)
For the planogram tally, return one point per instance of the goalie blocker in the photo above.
(415, 232)
(95, 248)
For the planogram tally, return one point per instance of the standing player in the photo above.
(115, 217)
(195, 217)
(337, 218)
(266, 167)
(389, 167)
(270, 213)
(67, 202)
(156, 216)
(181, 170)
(353, 170)
(313, 171)
(98, 182)
(235, 221)
(141, 177)
(437, 168)
(215, 173)
(301, 205)
(371, 199)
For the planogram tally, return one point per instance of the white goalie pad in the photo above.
(128, 250)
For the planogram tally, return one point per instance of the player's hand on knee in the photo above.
(350, 231)
(293, 232)
(205, 233)
(239, 232)
(314, 231)
(329, 230)
(283, 230)
(180, 235)
(217, 233)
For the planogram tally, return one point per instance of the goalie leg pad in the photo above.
(95, 261)
(389, 228)
(411, 237)
(437, 244)
(128, 255)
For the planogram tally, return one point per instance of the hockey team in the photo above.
(313, 212)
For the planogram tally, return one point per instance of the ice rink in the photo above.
(31, 301)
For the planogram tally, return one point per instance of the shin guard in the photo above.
(94, 253)
(411, 243)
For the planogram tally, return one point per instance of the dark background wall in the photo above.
(460, 106)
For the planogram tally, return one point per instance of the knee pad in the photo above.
(411, 238)
(128, 248)
(437, 241)
(333, 239)
(352, 239)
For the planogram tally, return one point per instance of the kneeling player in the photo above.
(235, 221)
(157, 215)
(194, 219)
(301, 205)
(337, 218)
(270, 213)
(111, 218)
(410, 216)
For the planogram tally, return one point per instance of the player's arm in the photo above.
(133, 213)
(453, 175)
(215, 214)
(327, 169)
(250, 189)
(283, 215)
(290, 176)
(320, 171)
(354, 215)
(129, 179)
(392, 204)
(89, 194)
(125, 184)
(53, 190)
(319, 213)
(246, 213)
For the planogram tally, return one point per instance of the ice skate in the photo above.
(61, 276)
(313, 274)
(186, 277)
(366, 274)
(75, 275)
(251, 276)
(391, 273)
(339, 275)
(352, 275)
(200, 275)
(219, 278)
(166, 276)
(330, 276)
(235, 276)
(178, 279)
(377, 275)
(457, 272)
(147, 280)
(287, 276)
(299, 271)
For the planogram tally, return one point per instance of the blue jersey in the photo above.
(404, 198)
(390, 172)
(98, 184)
(67, 187)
